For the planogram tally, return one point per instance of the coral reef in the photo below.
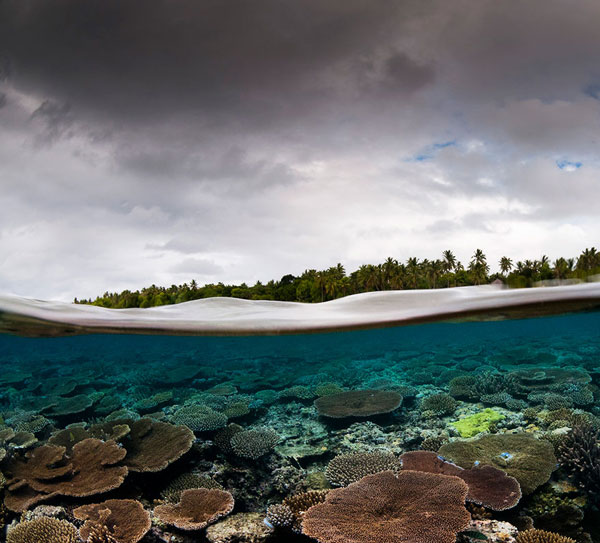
(125, 521)
(579, 453)
(529, 460)
(439, 404)
(388, 507)
(43, 530)
(253, 443)
(348, 468)
(541, 536)
(477, 423)
(358, 403)
(197, 509)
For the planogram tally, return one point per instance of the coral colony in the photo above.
(443, 432)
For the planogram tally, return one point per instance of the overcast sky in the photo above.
(160, 141)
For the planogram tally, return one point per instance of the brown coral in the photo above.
(391, 508)
(529, 460)
(290, 512)
(197, 509)
(358, 403)
(47, 471)
(43, 530)
(153, 445)
(541, 536)
(125, 521)
(488, 486)
(348, 468)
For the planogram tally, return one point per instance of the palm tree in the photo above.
(506, 264)
(479, 267)
(449, 263)
(412, 267)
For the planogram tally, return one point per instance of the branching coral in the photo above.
(290, 512)
(579, 453)
(439, 404)
(358, 403)
(125, 521)
(389, 508)
(541, 536)
(43, 530)
(254, 443)
(197, 509)
(348, 468)
(199, 418)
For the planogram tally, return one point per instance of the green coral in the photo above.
(478, 422)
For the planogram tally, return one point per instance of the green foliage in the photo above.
(320, 286)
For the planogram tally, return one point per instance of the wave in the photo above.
(232, 316)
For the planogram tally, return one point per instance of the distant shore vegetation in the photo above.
(323, 285)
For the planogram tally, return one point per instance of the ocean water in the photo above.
(48, 384)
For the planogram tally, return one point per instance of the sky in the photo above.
(161, 141)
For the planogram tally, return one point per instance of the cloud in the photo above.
(148, 145)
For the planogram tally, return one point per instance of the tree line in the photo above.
(334, 282)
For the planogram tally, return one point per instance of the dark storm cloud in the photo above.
(220, 61)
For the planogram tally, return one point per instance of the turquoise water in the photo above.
(271, 383)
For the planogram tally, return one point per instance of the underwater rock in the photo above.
(494, 531)
(349, 468)
(43, 530)
(358, 403)
(408, 506)
(197, 509)
(529, 460)
(125, 521)
(240, 528)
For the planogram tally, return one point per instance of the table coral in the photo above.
(529, 460)
(358, 403)
(197, 509)
(389, 508)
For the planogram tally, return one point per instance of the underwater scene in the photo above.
(456, 431)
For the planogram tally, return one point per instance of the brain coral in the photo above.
(358, 403)
(529, 460)
(389, 508)
(47, 471)
(541, 536)
(125, 521)
(43, 530)
(254, 443)
(348, 468)
(197, 509)
(199, 418)
(488, 486)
